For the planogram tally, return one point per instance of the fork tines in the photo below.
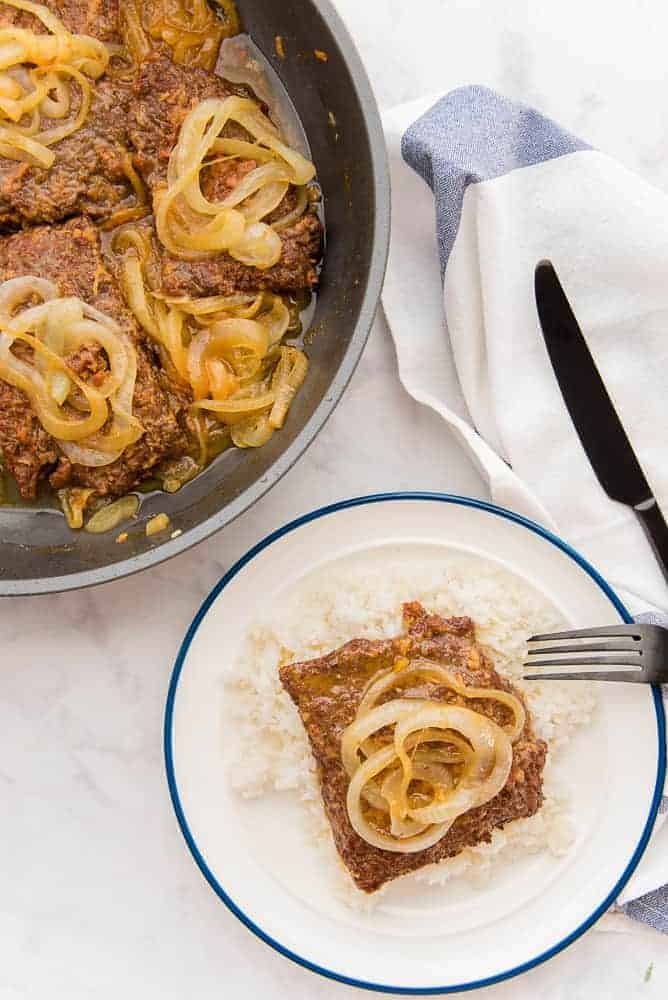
(611, 646)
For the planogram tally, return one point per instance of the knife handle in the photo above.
(656, 529)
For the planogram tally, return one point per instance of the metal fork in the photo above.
(642, 647)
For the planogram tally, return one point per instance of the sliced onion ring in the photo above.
(422, 668)
(37, 71)
(460, 758)
(51, 331)
(190, 225)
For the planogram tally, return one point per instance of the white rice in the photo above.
(348, 600)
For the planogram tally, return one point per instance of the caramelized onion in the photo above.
(231, 410)
(36, 74)
(245, 306)
(109, 517)
(226, 347)
(177, 472)
(422, 669)
(296, 213)
(163, 325)
(73, 500)
(253, 432)
(157, 524)
(212, 354)
(14, 146)
(190, 28)
(133, 32)
(462, 757)
(191, 226)
(288, 376)
(277, 320)
(75, 412)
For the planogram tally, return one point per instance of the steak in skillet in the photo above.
(70, 256)
(327, 691)
(164, 94)
(88, 174)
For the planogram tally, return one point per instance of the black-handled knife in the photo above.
(599, 428)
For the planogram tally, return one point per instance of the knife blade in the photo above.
(596, 421)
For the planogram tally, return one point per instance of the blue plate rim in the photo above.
(198, 857)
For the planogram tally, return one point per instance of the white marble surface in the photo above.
(99, 897)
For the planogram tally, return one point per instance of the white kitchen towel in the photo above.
(511, 187)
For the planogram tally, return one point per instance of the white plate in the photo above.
(256, 855)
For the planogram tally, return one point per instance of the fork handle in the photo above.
(656, 529)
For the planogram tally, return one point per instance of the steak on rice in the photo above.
(327, 691)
